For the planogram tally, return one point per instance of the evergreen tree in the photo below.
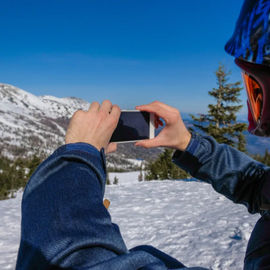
(13, 174)
(115, 180)
(108, 182)
(220, 122)
(163, 168)
(265, 159)
(3, 185)
(33, 164)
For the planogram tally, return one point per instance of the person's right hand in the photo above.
(94, 126)
(174, 134)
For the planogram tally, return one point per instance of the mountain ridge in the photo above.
(32, 124)
(36, 125)
(29, 122)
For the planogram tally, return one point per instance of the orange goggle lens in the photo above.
(255, 96)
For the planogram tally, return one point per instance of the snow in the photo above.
(33, 121)
(136, 162)
(9, 231)
(185, 219)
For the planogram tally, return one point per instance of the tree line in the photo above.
(14, 174)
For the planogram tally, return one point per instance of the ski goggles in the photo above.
(257, 83)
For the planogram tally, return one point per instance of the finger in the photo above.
(159, 108)
(106, 203)
(148, 143)
(106, 106)
(112, 147)
(94, 106)
(115, 113)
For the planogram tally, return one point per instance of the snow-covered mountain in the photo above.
(31, 124)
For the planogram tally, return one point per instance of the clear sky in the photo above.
(129, 51)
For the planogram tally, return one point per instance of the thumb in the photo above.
(112, 147)
(151, 143)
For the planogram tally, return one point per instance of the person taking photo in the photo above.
(64, 222)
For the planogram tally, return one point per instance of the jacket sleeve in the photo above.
(258, 249)
(64, 223)
(230, 172)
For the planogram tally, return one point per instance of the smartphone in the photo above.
(134, 126)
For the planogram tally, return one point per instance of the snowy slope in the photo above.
(31, 124)
(185, 219)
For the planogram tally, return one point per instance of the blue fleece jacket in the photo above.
(65, 225)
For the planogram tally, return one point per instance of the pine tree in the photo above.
(163, 168)
(220, 122)
(108, 182)
(265, 159)
(33, 164)
(115, 180)
(13, 174)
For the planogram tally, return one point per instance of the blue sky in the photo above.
(129, 51)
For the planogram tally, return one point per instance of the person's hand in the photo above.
(94, 126)
(173, 135)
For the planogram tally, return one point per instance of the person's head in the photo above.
(250, 45)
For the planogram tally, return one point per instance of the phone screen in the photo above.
(132, 126)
